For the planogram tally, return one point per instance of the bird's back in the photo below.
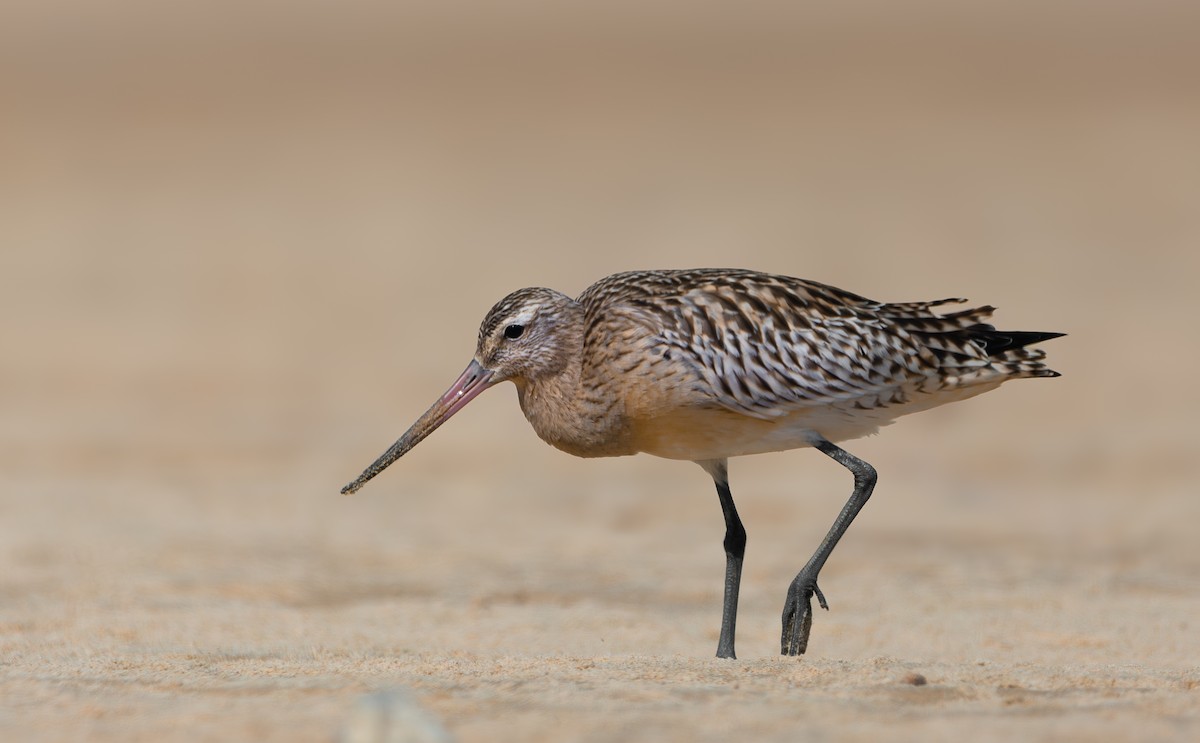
(762, 359)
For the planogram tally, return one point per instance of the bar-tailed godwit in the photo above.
(709, 364)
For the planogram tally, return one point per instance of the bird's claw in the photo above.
(797, 615)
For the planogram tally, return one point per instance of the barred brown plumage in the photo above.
(708, 364)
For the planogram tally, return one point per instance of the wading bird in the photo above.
(708, 364)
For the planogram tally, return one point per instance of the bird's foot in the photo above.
(797, 614)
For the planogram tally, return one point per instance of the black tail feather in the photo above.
(996, 342)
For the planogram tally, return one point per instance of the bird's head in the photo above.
(527, 336)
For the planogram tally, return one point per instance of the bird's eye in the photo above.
(512, 332)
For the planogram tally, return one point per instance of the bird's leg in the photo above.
(735, 550)
(797, 609)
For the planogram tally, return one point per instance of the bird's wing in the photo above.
(766, 346)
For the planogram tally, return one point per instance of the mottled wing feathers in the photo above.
(766, 346)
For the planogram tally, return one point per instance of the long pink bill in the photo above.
(467, 387)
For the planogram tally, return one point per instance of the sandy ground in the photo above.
(240, 250)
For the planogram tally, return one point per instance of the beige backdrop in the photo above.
(243, 245)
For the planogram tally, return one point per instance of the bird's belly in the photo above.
(717, 433)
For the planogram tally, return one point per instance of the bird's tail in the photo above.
(965, 343)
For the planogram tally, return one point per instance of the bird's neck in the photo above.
(570, 412)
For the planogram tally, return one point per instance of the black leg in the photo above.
(797, 609)
(735, 550)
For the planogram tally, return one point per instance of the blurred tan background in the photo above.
(243, 245)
